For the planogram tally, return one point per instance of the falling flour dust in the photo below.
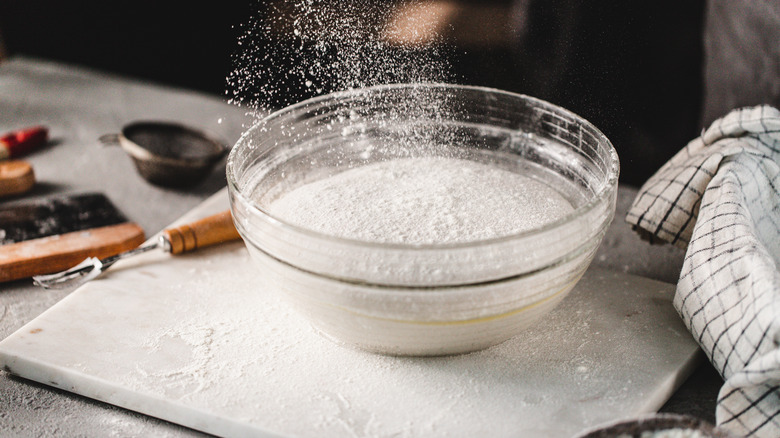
(422, 201)
(295, 49)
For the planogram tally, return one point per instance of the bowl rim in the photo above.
(608, 188)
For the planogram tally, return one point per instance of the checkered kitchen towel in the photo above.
(720, 198)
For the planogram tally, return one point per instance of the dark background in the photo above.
(632, 68)
(179, 43)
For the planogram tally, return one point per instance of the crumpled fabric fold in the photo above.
(719, 198)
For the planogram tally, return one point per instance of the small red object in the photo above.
(23, 141)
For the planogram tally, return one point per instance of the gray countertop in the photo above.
(80, 105)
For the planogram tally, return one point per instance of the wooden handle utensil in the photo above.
(55, 253)
(16, 176)
(199, 234)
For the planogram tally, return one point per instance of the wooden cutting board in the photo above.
(201, 341)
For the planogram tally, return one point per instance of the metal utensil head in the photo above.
(77, 275)
(88, 269)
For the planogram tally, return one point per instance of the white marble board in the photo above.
(199, 340)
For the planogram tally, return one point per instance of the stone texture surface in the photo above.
(80, 105)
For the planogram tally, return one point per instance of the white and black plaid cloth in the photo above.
(720, 198)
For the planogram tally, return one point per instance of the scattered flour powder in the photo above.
(422, 201)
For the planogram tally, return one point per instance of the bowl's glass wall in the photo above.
(326, 136)
(429, 299)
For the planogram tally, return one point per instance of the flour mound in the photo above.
(422, 201)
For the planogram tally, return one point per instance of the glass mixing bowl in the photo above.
(429, 299)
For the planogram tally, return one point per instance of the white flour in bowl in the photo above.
(422, 201)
